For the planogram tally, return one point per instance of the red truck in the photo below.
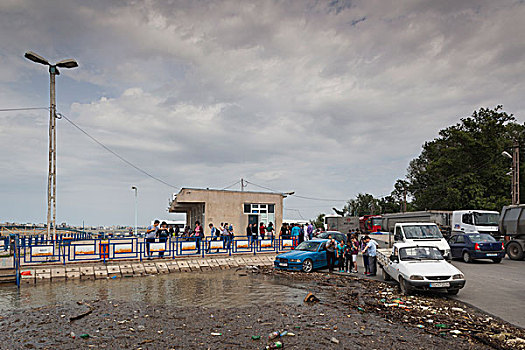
(370, 223)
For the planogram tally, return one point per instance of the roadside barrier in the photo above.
(74, 249)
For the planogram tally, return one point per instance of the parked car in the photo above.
(422, 268)
(338, 236)
(470, 246)
(306, 257)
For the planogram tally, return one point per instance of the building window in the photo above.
(247, 208)
(271, 208)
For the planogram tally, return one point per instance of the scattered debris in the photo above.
(311, 298)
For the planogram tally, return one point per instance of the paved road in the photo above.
(498, 289)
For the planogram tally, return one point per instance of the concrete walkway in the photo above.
(118, 269)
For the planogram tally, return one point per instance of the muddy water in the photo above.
(222, 288)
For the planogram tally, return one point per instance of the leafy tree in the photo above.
(318, 222)
(463, 167)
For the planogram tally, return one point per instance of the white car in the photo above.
(419, 267)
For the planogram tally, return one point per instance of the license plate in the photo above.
(492, 254)
(439, 284)
(283, 264)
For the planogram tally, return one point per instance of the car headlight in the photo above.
(295, 260)
(416, 277)
(459, 276)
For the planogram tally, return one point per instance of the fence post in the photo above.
(16, 261)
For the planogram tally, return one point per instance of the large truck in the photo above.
(449, 222)
(421, 233)
(438, 217)
(370, 223)
(512, 228)
(342, 224)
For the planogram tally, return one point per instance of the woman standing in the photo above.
(270, 230)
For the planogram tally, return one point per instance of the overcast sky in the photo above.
(324, 98)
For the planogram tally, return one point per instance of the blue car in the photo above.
(470, 246)
(307, 256)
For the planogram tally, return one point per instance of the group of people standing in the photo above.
(254, 232)
(297, 231)
(345, 253)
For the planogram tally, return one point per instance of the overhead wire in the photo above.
(23, 109)
(233, 184)
(298, 196)
(116, 154)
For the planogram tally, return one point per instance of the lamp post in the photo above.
(515, 171)
(51, 177)
(136, 189)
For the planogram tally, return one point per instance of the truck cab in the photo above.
(422, 233)
(475, 221)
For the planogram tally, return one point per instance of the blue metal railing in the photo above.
(74, 249)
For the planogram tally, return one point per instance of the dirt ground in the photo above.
(352, 314)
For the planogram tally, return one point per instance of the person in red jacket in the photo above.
(262, 230)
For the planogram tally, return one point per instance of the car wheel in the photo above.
(466, 257)
(308, 266)
(515, 251)
(453, 291)
(403, 286)
(497, 260)
(385, 275)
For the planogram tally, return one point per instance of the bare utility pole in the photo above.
(242, 185)
(52, 169)
(516, 173)
(404, 200)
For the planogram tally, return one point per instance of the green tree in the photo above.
(463, 167)
(318, 222)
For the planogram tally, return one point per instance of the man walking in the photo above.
(151, 234)
(310, 231)
(330, 253)
(371, 249)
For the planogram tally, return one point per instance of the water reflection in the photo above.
(221, 288)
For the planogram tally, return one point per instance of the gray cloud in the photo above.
(325, 98)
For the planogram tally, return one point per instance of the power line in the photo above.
(116, 154)
(23, 109)
(302, 197)
(233, 184)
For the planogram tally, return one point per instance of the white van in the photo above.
(422, 233)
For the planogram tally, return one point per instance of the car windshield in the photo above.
(486, 219)
(481, 238)
(420, 253)
(377, 221)
(338, 236)
(422, 232)
(308, 246)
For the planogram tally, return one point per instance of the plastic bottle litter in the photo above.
(273, 335)
(334, 340)
(276, 345)
(256, 337)
(283, 334)
(72, 335)
(84, 336)
(216, 334)
(290, 334)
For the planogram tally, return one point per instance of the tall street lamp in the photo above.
(51, 178)
(515, 171)
(136, 189)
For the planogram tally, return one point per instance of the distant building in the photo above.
(234, 207)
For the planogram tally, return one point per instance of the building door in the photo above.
(253, 219)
